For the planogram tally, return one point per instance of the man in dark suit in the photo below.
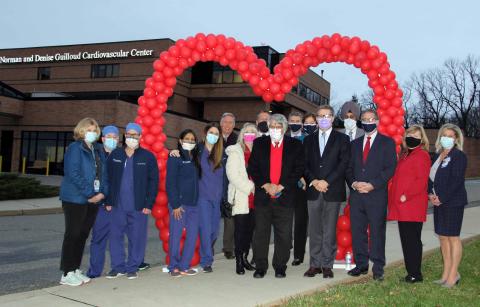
(372, 163)
(227, 123)
(276, 165)
(327, 153)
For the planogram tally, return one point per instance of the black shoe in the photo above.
(327, 273)
(229, 255)
(413, 279)
(259, 274)
(311, 272)
(143, 266)
(239, 268)
(247, 265)
(280, 273)
(297, 261)
(378, 277)
(207, 269)
(358, 271)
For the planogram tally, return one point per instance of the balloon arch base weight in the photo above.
(342, 265)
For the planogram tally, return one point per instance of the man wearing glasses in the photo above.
(327, 154)
(133, 178)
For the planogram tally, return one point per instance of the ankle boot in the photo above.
(248, 266)
(240, 269)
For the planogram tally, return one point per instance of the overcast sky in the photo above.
(415, 34)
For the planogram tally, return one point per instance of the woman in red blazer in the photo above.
(408, 198)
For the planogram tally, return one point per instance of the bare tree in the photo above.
(366, 100)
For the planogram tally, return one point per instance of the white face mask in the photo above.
(131, 143)
(350, 124)
(275, 134)
(188, 146)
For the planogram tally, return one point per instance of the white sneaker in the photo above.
(70, 280)
(80, 276)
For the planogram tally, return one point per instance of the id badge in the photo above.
(96, 185)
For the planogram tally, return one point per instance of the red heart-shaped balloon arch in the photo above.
(229, 52)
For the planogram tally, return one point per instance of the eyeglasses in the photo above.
(132, 136)
(369, 120)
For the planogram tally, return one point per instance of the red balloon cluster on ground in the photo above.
(271, 87)
(344, 235)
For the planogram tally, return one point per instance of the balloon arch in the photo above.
(232, 53)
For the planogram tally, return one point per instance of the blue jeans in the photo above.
(209, 225)
(98, 243)
(189, 220)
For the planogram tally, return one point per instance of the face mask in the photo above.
(249, 137)
(212, 138)
(324, 123)
(275, 134)
(110, 143)
(90, 137)
(447, 142)
(295, 127)
(188, 146)
(350, 123)
(131, 143)
(369, 127)
(262, 127)
(412, 142)
(309, 128)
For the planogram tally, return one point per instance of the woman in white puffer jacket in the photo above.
(240, 194)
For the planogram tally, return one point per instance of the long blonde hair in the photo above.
(245, 127)
(417, 128)
(458, 137)
(82, 126)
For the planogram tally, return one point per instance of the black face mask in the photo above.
(263, 127)
(309, 129)
(295, 127)
(369, 127)
(412, 142)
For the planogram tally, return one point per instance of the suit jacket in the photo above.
(358, 133)
(449, 183)
(292, 169)
(330, 167)
(378, 169)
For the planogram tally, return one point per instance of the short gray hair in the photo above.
(279, 118)
(295, 113)
(227, 114)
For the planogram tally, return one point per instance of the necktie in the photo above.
(366, 150)
(350, 134)
(322, 143)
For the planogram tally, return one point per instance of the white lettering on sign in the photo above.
(82, 55)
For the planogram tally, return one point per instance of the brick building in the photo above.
(45, 91)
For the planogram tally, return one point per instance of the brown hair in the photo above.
(310, 115)
(81, 128)
(216, 154)
(325, 107)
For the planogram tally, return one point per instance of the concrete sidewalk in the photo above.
(220, 288)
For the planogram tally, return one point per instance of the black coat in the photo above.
(292, 169)
(330, 167)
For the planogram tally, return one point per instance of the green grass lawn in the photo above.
(13, 186)
(394, 292)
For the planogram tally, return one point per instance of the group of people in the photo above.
(291, 174)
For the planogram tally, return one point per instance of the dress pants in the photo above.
(244, 226)
(134, 225)
(301, 224)
(209, 223)
(411, 238)
(181, 259)
(98, 243)
(322, 229)
(228, 234)
(364, 211)
(281, 218)
(79, 219)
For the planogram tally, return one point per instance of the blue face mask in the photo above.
(212, 138)
(90, 137)
(447, 142)
(110, 143)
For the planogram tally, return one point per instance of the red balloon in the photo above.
(391, 129)
(165, 235)
(344, 239)
(160, 224)
(165, 246)
(346, 210)
(343, 223)
(195, 259)
(148, 138)
(340, 254)
(159, 212)
(167, 259)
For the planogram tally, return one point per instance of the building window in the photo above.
(43, 73)
(105, 70)
(38, 147)
(304, 91)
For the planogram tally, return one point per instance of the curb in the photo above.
(356, 280)
(40, 211)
